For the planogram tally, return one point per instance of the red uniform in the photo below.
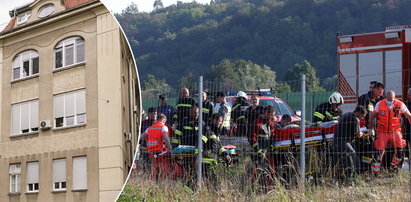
(159, 163)
(389, 131)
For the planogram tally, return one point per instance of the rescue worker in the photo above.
(156, 135)
(187, 130)
(407, 126)
(145, 157)
(224, 109)
(370, 99)
(347, 130)
(238, 114)
(388, 111)
(208, 108)
(329, 111)
(212, 148)
(253, 112)
(165, 108)
(285, 120)
(184, 104)
(262, 140)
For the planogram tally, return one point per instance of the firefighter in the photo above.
(212, 149)
(156, 135)
(186, 132)
(238, 113)
(262, 140)
(208, 108)
(252, 113)
(329, 111)
(370, 99)
(347, 130)
(224, 109)
(184, 104)
(388, 111)
(165, 108)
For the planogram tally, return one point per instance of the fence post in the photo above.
(200, 132)
(302, 136)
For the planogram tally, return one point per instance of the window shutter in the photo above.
(32, 172)
(80, 172)
(34, 121)
(59, 170)
(58, 106)
(16, 119)
(25, 109)
(70, 99)
(14, 169)
(81, 102)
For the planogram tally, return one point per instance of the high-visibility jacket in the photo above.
(219, 108)
(389, 120)
(155, 137)
(325, 112)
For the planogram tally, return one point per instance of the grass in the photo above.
(233, 186)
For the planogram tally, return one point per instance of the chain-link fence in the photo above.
(255, 139)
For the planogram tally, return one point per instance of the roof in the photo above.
(68, 4)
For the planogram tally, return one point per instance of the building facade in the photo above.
(69, 102)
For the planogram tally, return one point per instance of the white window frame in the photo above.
(18, 59)
(76, 113)
(23, 18)
(80, 176)
(33, 187)
(15, 177)
(62, 45)
(59, 165)
(33, 122)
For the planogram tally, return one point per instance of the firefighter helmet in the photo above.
(242, 94)
(336, 98)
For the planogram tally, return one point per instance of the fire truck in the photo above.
(379, 56)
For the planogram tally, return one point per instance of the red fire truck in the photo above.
(379, 56)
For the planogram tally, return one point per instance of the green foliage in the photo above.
(153, 83)
(191, 37)
(282, 87)
(242, 74)
(312, 81)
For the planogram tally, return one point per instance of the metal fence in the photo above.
(291, 147)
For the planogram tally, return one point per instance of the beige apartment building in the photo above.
(69, 102)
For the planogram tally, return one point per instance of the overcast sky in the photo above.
(115, 6)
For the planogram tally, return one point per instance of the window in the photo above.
(23, 18)
(80, 172)
(33, 177)
(15, 177)
(70, 109)
(25, 64)
(45, 10)
(69, 52)
(59, 174)
(25, 117)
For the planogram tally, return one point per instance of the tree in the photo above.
(153, 83)
(312, 81)
(158, 4)
(242, 75)
(131, 9)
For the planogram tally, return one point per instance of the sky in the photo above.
(115, 6)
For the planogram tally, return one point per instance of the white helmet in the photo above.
(242, 94)
(336, 98)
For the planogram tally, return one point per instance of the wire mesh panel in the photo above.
(252, 136)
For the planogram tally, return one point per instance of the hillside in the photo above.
(185, 38)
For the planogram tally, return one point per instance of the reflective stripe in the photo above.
(241, 117)
(328, 114)
(207, 160)
(366, 159)
(395, 161)
(178, 132)
(214, 137)
(188, 127)
(206, 110)
(183, 105)
(196, 128)
(154, 128)
(175, 141)
(370, 108)
(255, 145)
(376, 167)
(152, 143)
(237, 105)
(221, 150)
(319, 115)
(262, 135)
(204, 138)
